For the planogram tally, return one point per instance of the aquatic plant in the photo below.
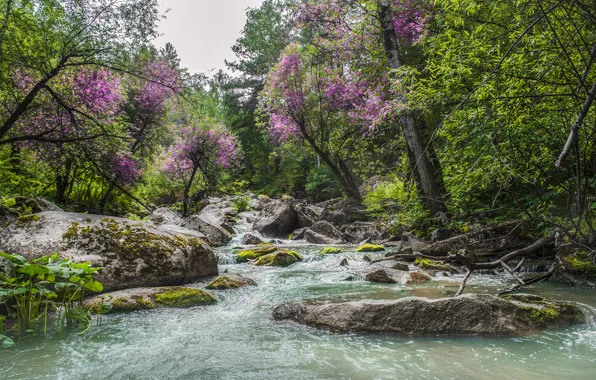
(30, 290)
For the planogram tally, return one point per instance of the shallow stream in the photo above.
(237, 339)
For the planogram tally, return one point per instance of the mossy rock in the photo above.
(254, 253)
(370, 248)
(149, 298)
(230, 281)
(580, 264)
(177, 296)
(434, 265)
(330, 250)
(281, 258)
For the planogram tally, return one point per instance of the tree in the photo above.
(199, 150)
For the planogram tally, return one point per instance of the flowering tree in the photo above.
(346, 84)
(199, 150)
(330, 107)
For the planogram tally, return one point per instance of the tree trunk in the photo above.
(62, 181)
(429, 188)
(187, 190)
(106, 198)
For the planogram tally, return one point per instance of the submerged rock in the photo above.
(130, 253)
(149, 298)
(395, 276)
(470, 314)
(281, 258)
(401, 266)
(277, 219)
(230, 281)
(344, 262)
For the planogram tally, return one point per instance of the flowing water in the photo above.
(237, 339)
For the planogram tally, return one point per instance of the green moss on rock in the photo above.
(330, 250)
(223, 282)
(183, 297)
(370, 248)
(433, 265)
(26, 220)
(581, 265)
(281, 258)
(254, 253)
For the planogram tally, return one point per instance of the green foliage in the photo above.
(30, 289)
(321, 184)
(386, 199)
(241, 204)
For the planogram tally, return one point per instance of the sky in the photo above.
(203, 31)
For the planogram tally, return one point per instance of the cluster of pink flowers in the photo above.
(160, 83)
(126, 170)
(410, 20)
(202, 149)
(99, 91)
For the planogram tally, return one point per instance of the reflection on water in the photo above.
(236, 339)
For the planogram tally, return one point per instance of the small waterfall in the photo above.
(534, 269)
(225, 257)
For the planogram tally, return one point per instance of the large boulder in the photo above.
(360, 231)
(212, 223)
(340, 212)
(250, 239)
(131, 253)
(323, 233)
(149, 298)
(306, 214)
(470, 314)
(277, 219)
(165, 215)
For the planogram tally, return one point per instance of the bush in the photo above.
(241, 203)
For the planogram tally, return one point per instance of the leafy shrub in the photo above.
(385, 199)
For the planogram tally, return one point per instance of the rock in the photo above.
(277, 219)
(250, 239)
(370, 248)
(13, 208)
(440, 234)
(576, 269)
(212, 223)
(467, 315)
(359, 231)
(298, 234)
(431, 265)
(414, 242)
(230, 281)
(340, 212)
(306, 214)
(164, 215)
(499, 238)
(323, 233)
(367, 258)
(372, 183)
(280, 258)
(389, 276)
(343, 262)
(131, 253)
(401, 266)
(254, 253)
(417, 278)
(149, 298)
(260, 202)
(330, 250)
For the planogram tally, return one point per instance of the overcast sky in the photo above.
(203, 31)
